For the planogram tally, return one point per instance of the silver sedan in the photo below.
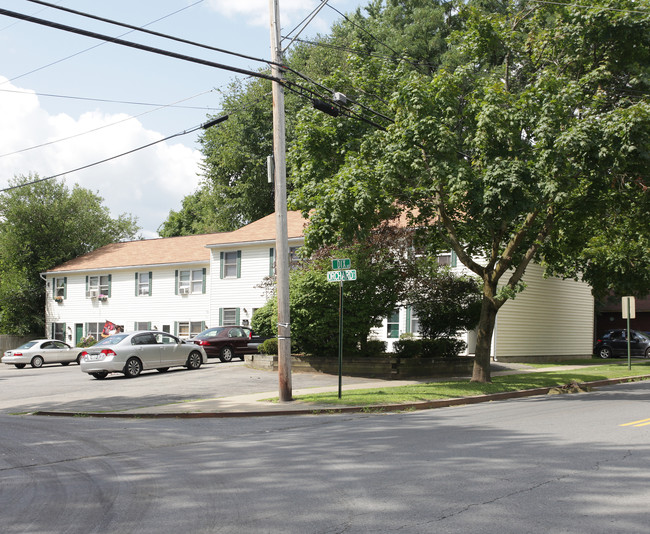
(133, 352)
(40, 351)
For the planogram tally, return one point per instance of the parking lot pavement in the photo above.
(217, 389)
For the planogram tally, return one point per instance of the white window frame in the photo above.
(391, 323)
(229, 317)
(230, 264)
(144, 284)
(191, 280)
(59, 287)
(99, 283)
(187, 329)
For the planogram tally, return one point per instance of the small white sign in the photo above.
(627, 305)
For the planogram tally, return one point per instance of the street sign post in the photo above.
(340, 274)
(629, 312)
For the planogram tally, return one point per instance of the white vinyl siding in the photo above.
(550, 318)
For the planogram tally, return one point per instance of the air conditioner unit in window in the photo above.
(93, 293)
(184, 290)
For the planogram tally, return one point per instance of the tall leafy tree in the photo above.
(534, 130)
(43, 225)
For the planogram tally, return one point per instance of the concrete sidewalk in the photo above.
(261, 404)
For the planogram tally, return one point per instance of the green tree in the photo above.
(534, 130)
(444, 302)
(43, 225)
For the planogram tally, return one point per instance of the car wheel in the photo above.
(65, 363)
(605, 352)
(20, 365)
(132, 368)
(647, 353)
(194, 360)
(162, 369)
(226, 354)
(101, 375)
(79, 359)
(37, 361)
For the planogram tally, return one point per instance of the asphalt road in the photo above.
(561, 464)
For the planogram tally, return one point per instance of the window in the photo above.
(231, 264)
(143, 284)
(392, 325)
(447, 259)
(142, 325)
(190, 281)
(294, 259)
(60, 288)
(412, 321)
(98, 286)
(229, 316)
(94, 330)
(189, 328)
(58, 331)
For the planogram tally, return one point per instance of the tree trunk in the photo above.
(481, 371)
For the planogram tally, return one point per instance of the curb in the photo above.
(426, 405)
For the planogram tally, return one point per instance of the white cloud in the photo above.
(257, 12)
(146, 184)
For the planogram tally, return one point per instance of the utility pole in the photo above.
(282, 233)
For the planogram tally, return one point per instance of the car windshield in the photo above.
(111, 340)
(27, 345)
(211, 332)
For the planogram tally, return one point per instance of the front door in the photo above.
(78, 333)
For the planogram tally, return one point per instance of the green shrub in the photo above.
(429, 348)
(269, 346)
(372, 348)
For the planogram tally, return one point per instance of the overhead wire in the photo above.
(95, 129)
(154, 33)
(107, 100)
(94, 46)
(132, 44)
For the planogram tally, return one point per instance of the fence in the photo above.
(11, 342)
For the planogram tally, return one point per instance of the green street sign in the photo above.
(341, 264)
(341, 276)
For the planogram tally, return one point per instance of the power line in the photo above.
(97, 45)
(150, 32)
(587, 6)
(131, 44)
(108, 101)
(95, 129)
(204, 126)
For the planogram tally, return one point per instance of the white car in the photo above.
(40, 351)
(131, 353)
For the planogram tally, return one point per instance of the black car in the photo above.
(614, 343)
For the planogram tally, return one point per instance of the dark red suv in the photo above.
(226, 342)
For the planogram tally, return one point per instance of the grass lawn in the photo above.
(588, 372)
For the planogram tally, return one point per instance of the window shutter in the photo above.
(271, 261)
(137, 280)
(408, 319)
(203, 325)
(176, 325)
(109, 284)
(176, 290)
(220, 316)
(150, 283)
(239, 264)
(53, 287)
(236, 315)
(86, 292)
(221, 265)
(454, 259)
(65, 287)
(204, 281)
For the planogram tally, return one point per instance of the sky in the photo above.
(67, 100)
